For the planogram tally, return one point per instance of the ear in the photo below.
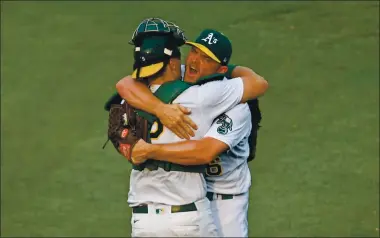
(172, 64)
(222, 69)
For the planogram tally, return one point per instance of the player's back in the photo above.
(175, 188)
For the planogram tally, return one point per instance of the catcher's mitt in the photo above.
(126, 128)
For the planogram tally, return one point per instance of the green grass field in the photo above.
(317, 168)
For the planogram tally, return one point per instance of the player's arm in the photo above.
(254, 84)
(138, 95)
(220, 96)
(190, 152)
(172, 116)
(225, 133)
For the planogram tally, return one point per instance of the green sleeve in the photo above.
(231, 68)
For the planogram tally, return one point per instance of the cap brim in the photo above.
(148, 70)
(204, 49)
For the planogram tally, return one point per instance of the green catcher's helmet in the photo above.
(157, 26)
(153, 54)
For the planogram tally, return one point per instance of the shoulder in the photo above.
(225, 83)
(241, 109)
(222, 90)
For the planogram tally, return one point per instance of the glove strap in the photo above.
(104, 146)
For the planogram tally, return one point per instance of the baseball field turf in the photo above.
(317, 167)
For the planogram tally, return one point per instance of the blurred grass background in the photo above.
(317, 167)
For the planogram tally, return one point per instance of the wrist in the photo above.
(158, 109)
(152, 151)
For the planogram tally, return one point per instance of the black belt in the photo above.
(210, 196)
(153, 165)
(175, 208)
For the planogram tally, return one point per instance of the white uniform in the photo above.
(228, 177)
(160, 189)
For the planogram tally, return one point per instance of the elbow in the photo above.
(264, 85)
(202, 157)
(259, 88)
(209, 149)
(123, 88)
(207, 157)
(254, 88)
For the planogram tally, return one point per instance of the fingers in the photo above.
(134, 161)
(175, 131)
(174, 127)
(137, 161)
(187, 119)
(183, 133)
(190, 122)
(175, 119)
(180, 132)
(184, 109)
(183, 128)
(139, 152)
(188, 130)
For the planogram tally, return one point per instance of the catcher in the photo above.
(125, 126)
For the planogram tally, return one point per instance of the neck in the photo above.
(157, 81)
(162, 79)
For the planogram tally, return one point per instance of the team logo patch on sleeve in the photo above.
(226, 124)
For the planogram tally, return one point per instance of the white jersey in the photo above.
(229, 173)
(206, 102)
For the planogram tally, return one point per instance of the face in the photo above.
(175, 68)
(198, 65)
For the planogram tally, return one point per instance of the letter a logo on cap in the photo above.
(210, 39)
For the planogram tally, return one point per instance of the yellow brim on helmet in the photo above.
(147, 71)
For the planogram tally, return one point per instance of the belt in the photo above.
(153, 165)
(176, 208)
(210, 196)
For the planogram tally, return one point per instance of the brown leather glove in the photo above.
(126, 128)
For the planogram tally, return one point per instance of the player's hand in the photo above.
(140, 152)
(174, 117)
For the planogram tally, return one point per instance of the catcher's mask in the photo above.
(156, 26)
(152, 54)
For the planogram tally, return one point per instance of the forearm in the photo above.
(191, 152)
(258, 83)
(254, 84)
(185, 153)
(138, 95)
(242, 71)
